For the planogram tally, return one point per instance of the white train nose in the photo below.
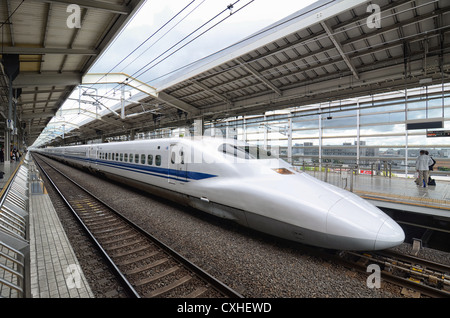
(359, 225)
(389, 235)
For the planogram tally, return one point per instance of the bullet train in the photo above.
(247, 184)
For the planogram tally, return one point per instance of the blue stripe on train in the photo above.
(149, 170)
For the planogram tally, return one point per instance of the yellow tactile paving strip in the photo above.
(408, 200)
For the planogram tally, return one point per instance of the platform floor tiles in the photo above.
(7, 169)
(396, 190)
(54, 268)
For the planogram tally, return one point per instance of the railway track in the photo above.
(145, 266)
(428, 278)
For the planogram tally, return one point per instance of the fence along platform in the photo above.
(386, 191)
(14, 244)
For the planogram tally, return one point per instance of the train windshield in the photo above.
(247, 152)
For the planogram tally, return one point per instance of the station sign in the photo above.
(438, 133)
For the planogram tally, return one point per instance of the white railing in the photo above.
(14, 243)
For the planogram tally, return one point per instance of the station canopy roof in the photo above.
(328, 51)
(53, 52)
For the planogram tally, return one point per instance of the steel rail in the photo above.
(390, 260)
(218, 285)
(131, 291)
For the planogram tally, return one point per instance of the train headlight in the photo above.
(282, 171)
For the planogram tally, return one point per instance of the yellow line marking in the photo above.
(381, 197)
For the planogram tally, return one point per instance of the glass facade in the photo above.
(366, 131)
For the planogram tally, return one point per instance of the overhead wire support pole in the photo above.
(122, 101)
(290, 139)
(340, 49)
(9, 125)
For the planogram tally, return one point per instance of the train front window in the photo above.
(246, 152)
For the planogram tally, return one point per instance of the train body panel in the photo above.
(243, 183)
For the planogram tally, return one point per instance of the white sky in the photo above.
(154, 14)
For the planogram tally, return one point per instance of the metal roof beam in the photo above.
(91, 4)
(211, 91)
(10, 25)
(44, 91)
(175, 102)
(121, 78)
(27, 116)
(36, 80)
(339, 48)
(37, 101)
(258, 75)
(45, 50)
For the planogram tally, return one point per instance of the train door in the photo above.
(177, 164)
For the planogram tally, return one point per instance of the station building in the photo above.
(351, 89)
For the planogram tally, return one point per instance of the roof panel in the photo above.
(297, 61)
(50, 64)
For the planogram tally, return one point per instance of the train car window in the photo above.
(117, 156)
(143, 159)
(150, 159)
(112, 156)
(158, 160)
(136, 158)
(233, 150)
(125, 157)
(121, 156)
(246, 152)
(172, 157)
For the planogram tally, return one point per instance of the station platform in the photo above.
(404, 194)
(395, 193)
(37, 260)
(55, 271)
(51, 267)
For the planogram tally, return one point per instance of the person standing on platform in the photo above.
(422, 164)
(431, 181)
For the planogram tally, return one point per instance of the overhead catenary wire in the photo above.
(141, 71)
(268, 72)
(114, 88)
(145, 41)
(229, 7)
(162, 36)
(224, 10)
(8, 20)
(338, 31)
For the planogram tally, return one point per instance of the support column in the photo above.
(289, 150)
(320, 142)
(198, 127)
(12, 68)
(406, 132)
(358, 139)
(9, 123)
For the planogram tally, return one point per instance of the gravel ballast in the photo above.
(254, 264)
